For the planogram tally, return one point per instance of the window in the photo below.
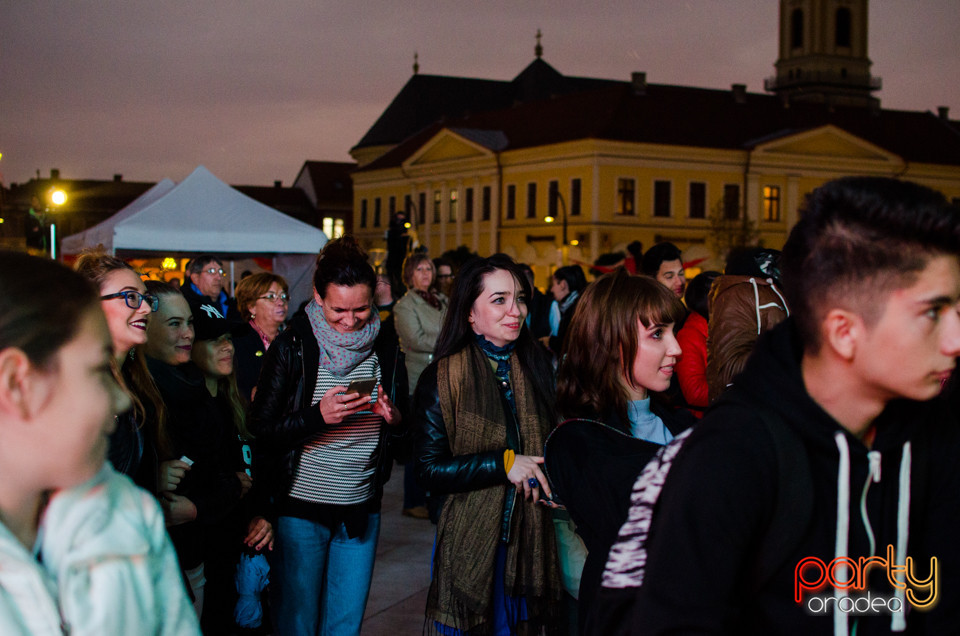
(731, 201)
(553, 194)
(332, 227)
(531, 200)
(842, 37)
(422, 209)
(626, 190)
(363, 213)
(407, 206)
(376, 212)
(393, 206)
(437, 202)
(511, 201)
(453, 205)
(575, 197)
(661, 198)
(468, 205)
(796, 29)
(485, 204)
(771, 203)
(698, 200)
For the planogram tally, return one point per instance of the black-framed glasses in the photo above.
(135, 299)
(214, 270)
(274, 297)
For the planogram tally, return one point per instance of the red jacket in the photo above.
(692, 364)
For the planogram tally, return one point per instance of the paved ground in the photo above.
(401, 574)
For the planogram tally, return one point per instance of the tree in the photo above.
(728, 231)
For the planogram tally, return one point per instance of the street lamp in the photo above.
(58, 197)
(554, 196)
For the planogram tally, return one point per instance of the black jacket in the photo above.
(248, 354)
(592, 466)
(198, 431)
(195, 298)
(438, 471)
(282, 416)
(710, 535)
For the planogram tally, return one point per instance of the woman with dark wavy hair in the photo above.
(327, 445)
(482, 411)
(620, 352)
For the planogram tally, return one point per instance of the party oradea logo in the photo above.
(907, 586)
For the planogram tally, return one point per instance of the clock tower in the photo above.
(823, 54)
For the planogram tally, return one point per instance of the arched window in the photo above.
(796, 29)
(843, 27)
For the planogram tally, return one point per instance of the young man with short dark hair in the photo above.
(664, 262)
(785, 509)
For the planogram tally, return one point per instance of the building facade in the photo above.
(612, 162)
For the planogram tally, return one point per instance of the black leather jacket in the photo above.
(282, 417)
(438, 470)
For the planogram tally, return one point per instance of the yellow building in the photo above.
(477, 162)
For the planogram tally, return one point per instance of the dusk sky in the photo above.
(252, 89)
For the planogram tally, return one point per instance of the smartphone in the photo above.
(363, 386)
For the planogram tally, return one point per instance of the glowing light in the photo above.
(574, 242)
(548, 219)
(59, 197)
(169, 263)
(407, 225)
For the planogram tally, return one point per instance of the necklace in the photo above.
(263, 336)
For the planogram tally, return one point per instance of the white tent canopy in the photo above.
(202, 214)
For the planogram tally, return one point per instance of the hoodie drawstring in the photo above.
(840, 627)
(898, 621)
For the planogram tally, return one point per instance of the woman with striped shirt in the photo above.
(325, 447)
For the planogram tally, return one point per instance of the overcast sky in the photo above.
(151, 89)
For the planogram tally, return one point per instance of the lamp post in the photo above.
(554, 195)
(58, 197)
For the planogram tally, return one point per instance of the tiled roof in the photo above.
(685, 116)
(426, 99)
(331, 181)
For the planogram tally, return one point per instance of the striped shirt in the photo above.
(338, 465)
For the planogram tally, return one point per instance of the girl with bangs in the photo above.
(621, 352)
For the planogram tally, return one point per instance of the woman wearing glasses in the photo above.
(128, 307)
(263, 301)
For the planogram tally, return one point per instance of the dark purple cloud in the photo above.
(252, 89)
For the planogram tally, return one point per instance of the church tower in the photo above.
(823, 54)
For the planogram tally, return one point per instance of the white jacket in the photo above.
(106, 567)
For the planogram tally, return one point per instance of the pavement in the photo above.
(401, 573)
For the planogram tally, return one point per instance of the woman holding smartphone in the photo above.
(325, 444)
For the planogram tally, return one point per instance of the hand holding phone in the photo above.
(363, 386)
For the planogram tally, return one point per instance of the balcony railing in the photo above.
(828, 78)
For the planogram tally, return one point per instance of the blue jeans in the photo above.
(323, 577)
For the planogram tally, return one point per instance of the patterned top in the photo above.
(338, 466)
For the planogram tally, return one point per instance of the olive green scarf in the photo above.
(468, 533)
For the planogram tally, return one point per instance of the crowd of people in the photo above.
(755, 451)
